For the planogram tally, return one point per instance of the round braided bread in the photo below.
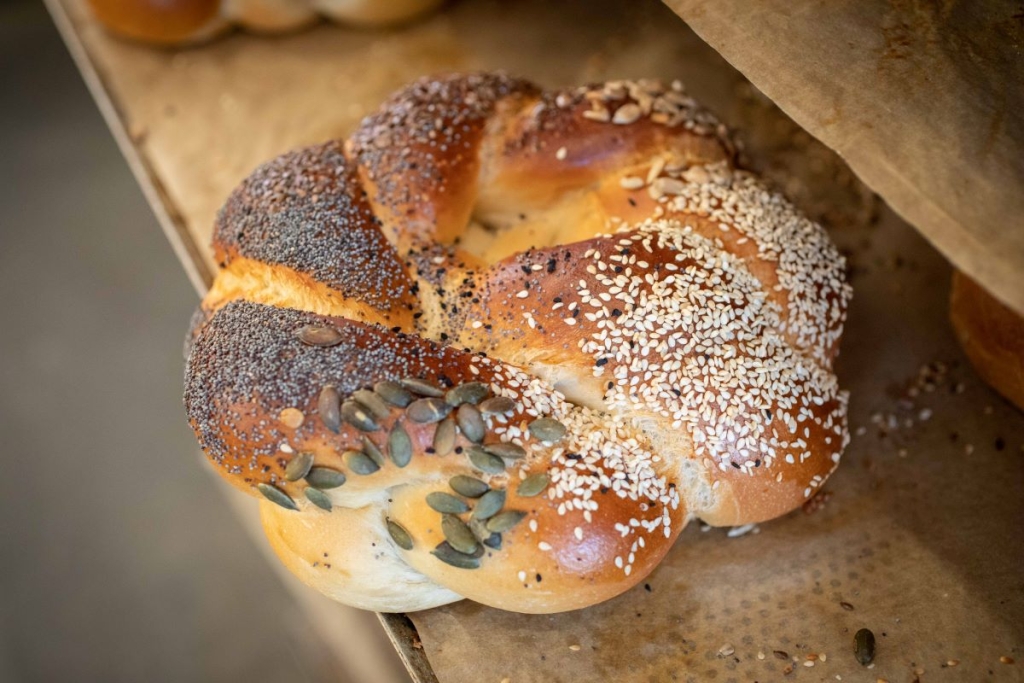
(502, 344)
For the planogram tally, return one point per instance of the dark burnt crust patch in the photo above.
(247, 364)
(306, 210)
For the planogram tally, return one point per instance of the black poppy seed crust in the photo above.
(305, 210)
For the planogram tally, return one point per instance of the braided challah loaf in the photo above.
(504, 343)
(170, 22)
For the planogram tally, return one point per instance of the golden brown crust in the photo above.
(157, 21)
(992, 336)
(593, 258)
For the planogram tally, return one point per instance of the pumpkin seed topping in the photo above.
(450, 555)
(359, 462)
(489, 504)
(498, 405)
(372, 452)
(393, 393)
(470, 423)
(318, 498)
(372, 402)
(503, 521)
(428, 410)
(325, 477)
(444, 437)
(399, 535)
(298, 467)
(400, 445)
(509, 451)
(446, 502)
(470, 487)
(547, 429)
(328, 407)
(358, 416)
(421, 387)
(533, 485)
(470, 392)
(458, 534)
(276, 495)
(317, 335)
(484, 461)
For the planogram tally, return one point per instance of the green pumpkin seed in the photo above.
(864, 646)
(358, 416)
(533, 485)
(399, 535)
(325, 477)
(276, 495)
(484, 461)
(421, 387)
(470, 392)
(479, 529)
(318, 498)
(400, 445)
(446, 502)
(428, 410)
(509, 451)
(489, 504)
(458, 534)
(547, 429)
(317, 335)
(359, 462)
(328, 407)
(470, 423)
(498, 405)
(298, 467)
(493, 541)
(503, 521)
(470, 487)
(450, 555)
(371, 450)
(444, 437)
(373, 403)
(393, 393)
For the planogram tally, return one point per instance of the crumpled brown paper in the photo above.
(923, 99)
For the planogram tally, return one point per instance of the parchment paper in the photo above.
(924, 100)
(920, 539)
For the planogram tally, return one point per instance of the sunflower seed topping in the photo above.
(509, 451)
(328, 405)
(470, 423)
(316, 335)
(393, 393)
(470, 392)
(444, 437)
(372, 452)
(503, 521)
(547, 429)
(484, 461)
(298, 467)
(498, 405)
(458, 534)
(533, 485)
(450, 555)
(400, 445)
(358, 416)
(399, 535)
(470, 487)
(446, 502)
(325, 477)
(373, 403)
(489, 504)
(359, 462)
(276, 495)
(421, 387)
(428, 410)
(318, 498)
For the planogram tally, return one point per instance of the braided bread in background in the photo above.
(171, 22)
(502, 344)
